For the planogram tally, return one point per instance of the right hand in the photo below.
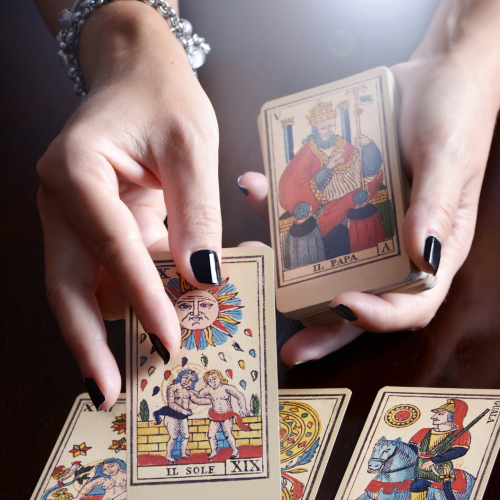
(336, 160)
(143, 142)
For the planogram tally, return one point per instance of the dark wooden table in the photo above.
(262, 50)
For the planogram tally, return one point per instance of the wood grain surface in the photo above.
(261, 50)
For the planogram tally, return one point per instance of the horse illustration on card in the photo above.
(448, 457)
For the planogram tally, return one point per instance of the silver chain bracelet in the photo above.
(71, 22)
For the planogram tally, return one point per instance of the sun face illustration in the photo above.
(206, 317)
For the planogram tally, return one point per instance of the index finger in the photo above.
(90, 196)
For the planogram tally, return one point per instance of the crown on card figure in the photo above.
(287, 121)
(343, 104)
(320, 112)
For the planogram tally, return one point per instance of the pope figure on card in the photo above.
(326, 173)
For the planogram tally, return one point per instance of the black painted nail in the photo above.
(160, 348)
(95, 393)
(432, 252)
(344, 312)
(205, 265)
(244, 190)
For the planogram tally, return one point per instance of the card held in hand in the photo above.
(88, 460)
(425, 443)
(206, 423)
(337, 194)
(310, 420)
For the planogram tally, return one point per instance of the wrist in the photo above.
(123, 37)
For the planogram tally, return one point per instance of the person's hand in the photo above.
(336, 160)
(361, 140)
(447, 116)
(143, 142)
(427, 466)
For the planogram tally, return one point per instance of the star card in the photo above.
(425, 443)
(207, 422)
(337, 193)
(88, 460)
(309, 423)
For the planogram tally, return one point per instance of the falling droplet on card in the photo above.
(156, 390)
(237, 346)
(184, 362)
(254, 374)
(229, 373)
(243, 384)
(151, 370)
(252, 353)
(222, 356)
(166, 374)
(204, 360)
(144, 383)
(143, 337)
(248, 332)
(242, 364)
(143, 359)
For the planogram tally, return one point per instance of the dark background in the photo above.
(261, 50)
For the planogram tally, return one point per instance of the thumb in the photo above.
(255, 186)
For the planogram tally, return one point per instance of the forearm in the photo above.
(468, 28)
(50, 10)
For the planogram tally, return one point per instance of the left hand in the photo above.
(361, 140)
(445, 143)
(427, 466)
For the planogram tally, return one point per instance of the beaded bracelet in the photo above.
(71, 22)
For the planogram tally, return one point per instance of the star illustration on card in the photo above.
(80, 449)
(120, 424)
(119, 445)
(206, 317)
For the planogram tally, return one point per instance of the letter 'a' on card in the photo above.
(206, 423)
(89, 458)
(337, 195)
(425, 443)
(310, 420)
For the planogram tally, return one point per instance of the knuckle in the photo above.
(56, 289)
(444, 212)
(106, 251)
(204, 220)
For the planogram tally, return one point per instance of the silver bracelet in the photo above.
(71, 22)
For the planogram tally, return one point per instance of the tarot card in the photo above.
(425, 443)
(207, 422)
(309, 423)
(88, 461)
(337, 191)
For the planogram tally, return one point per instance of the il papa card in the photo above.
(207, 422)
(310, 420)
(425, 443)
(88, 460)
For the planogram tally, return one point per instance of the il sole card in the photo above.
(207, 422)
(425, 443)
(88, 461)
(310, 420)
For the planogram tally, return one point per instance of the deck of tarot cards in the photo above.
(337, 195)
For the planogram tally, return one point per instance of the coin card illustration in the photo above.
(89, 459)
(309, 423)
(336, 188)
(209, 417)
(425, 443)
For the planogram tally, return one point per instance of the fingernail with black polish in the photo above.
(205, 265)
(432, 252)
(95, 393)
(160, 348)
(244, 190)
(344, 312)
